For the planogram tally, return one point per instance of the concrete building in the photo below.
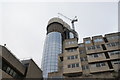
(96, 57)
(11, 67)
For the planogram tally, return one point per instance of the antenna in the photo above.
(72, 20)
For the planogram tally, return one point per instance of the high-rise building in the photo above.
(65, 57)
(57, 32)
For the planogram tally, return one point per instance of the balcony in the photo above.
(100, 67)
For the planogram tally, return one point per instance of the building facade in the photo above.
(13, 68)
(96, 57)
(57, 32)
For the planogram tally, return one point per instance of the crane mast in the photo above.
(72, 20)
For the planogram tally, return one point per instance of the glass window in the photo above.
(8, 69)
(91, 55)
(72, 57)
(76, 56)
(71, 35)
(4, 67)
(93, 65)
(87, 67)
(95, 55)
(83, 58)
(97, 46)
(71, 50)
(102, 64)
(87, 42)
(98, 40)
(14, 74)
(73, 65)
(81, 45)
(113, 44)
(69, 66)
(109, 45)
(77, 65)
(11, 72)
(113, 37)
(81, 51)
(84, 67)
(88, 48)
(93, 47)
(68, 57)
(114, 52)
(52, 47)
(98, 65)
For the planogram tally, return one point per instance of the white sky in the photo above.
(23, 22)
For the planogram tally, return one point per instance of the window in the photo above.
(72, 57)
(70, 42)
(88, 48)
(87, 42)
(95, 55)
(98, 40)
(71, 35)
(116, 62)
(113, 37)
(68, 57)
(100, 64)
(72, 50)
(109, 45)
(81, 52)
(113, 44)
(69, 66)
(93, 65)
(8, 69)
(84, 67)
(117, 43)
(4, 67)
(83, 58)
(81, 45)
(73, 65)
(91, 55)
(114, 52)
(76, 56)
(93, 47)
(98, 46)
(77, 65)
(14, 74)
(11, 72)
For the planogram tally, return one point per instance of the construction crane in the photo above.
(72, 20)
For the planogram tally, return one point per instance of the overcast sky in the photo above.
(23, 24)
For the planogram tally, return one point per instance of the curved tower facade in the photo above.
(57, 31)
